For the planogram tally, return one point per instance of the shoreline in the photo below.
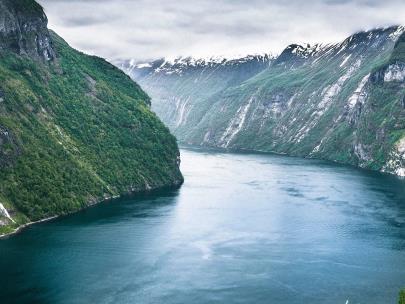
(113, 197)
(265, 152)
(26, 225)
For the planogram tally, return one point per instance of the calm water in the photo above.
(243, 229)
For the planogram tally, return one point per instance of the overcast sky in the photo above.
(149, 29)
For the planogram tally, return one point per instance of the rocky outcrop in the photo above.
(395, 73)
(23, 29)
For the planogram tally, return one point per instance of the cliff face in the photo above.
(73, 132)
(343, 102)
(23, 29)
(181, 88)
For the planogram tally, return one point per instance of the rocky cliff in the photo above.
(343, 102)
(23, 29)
(74, 129)
(178, 85)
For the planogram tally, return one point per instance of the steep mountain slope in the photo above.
(181, 88)
(343, 102)
(23, 29)
(74, 129)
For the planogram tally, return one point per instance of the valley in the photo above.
(343, 102)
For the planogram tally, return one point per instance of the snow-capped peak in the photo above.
(214, 60)
(177, 65)
(304, 50)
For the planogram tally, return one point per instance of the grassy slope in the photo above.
(85, 131)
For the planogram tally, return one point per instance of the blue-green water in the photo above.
(244, 228)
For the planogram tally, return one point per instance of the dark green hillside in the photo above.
(73, 131)
(399, 50)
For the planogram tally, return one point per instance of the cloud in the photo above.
(147, 29)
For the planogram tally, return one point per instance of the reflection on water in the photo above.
(244, 228)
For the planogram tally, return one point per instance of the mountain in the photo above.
(74, 129)
(343, 102)
(182, 83)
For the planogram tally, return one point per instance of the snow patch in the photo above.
(207, 136)
(358, 95)
(395, 72)
(345, 60)
(398, 32)
(143, 65)
(330, 92)
(306, 51)
(318, 147)
(342, 46)
(400, 172)
(181, 108)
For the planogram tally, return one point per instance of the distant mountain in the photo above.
(343, 102)
(74, 129)
(184, 65)
(177, 84)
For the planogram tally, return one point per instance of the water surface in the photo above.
(244, 228)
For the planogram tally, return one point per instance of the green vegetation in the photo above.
(76, 131)
(399, 51)
(402, 297)
(309, 106)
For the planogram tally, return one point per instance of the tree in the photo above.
(402, 297)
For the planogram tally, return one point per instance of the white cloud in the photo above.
(147, 29)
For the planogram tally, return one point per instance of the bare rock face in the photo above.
(23, 29)
(5, 217)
